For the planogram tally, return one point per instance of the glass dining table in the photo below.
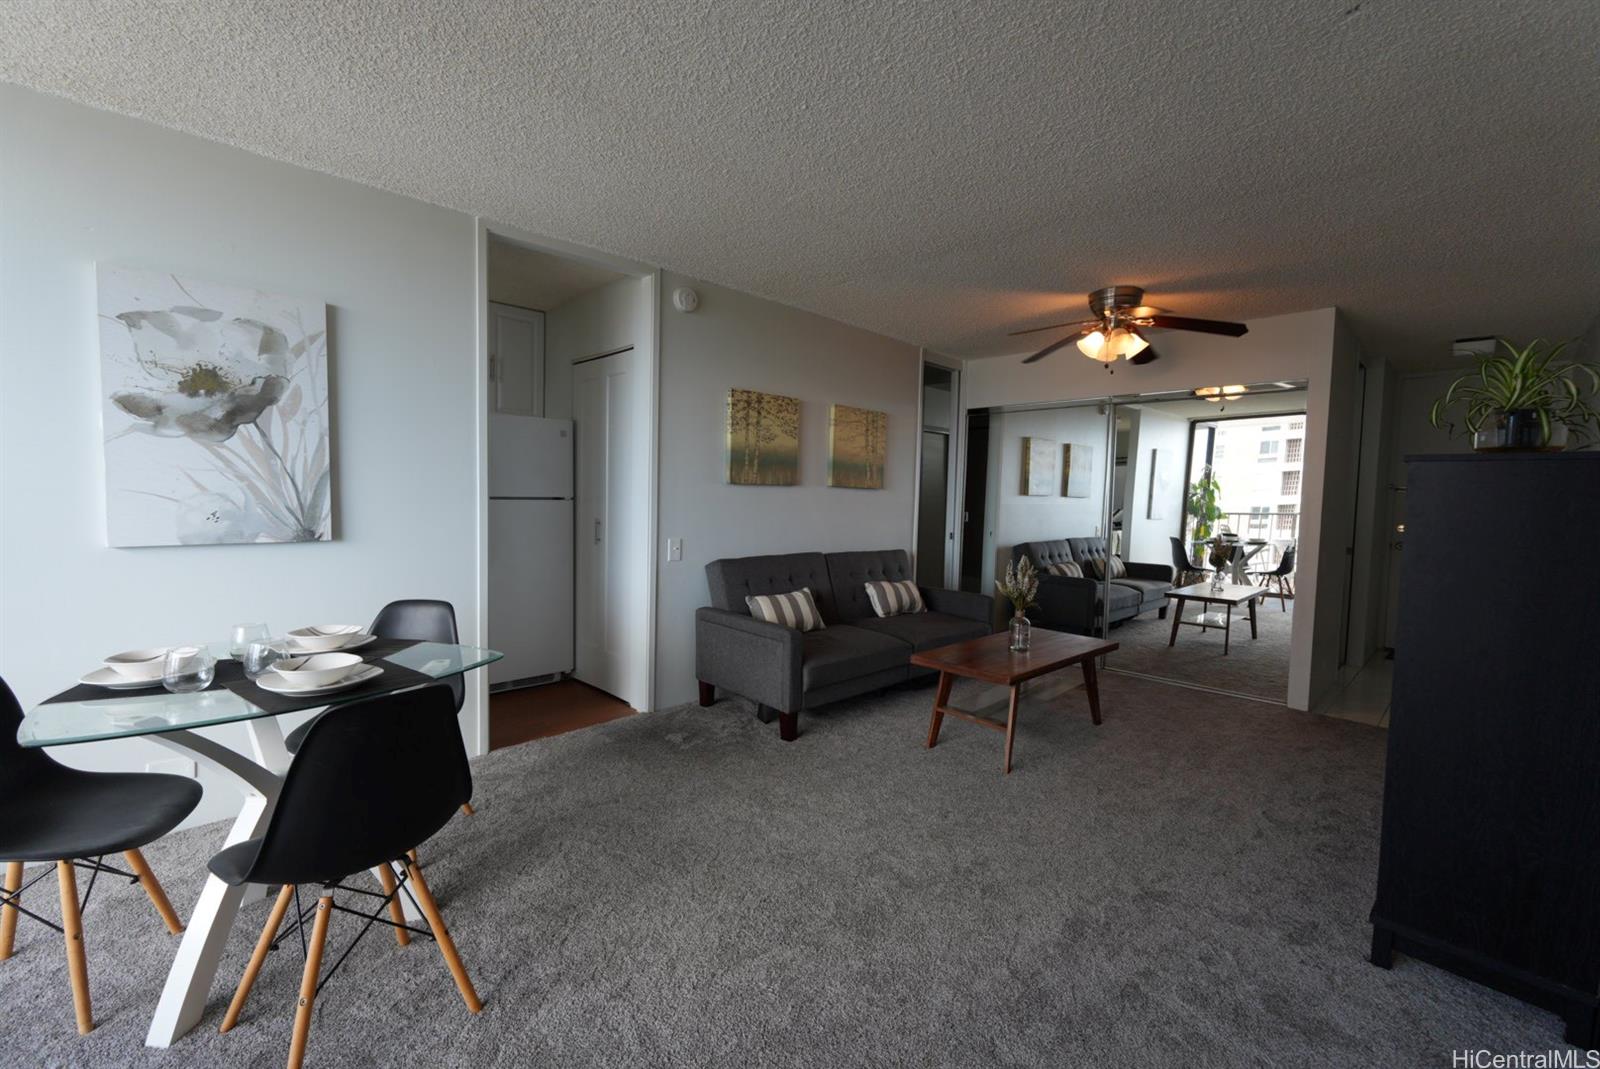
(173, 721)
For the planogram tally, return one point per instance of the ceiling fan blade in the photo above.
(1144, 311)
(1147, 355)
(1081, 325)
(1053, 346)
(1204, 326)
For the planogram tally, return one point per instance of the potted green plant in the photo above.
(1204, 493)
(1020, 586)
(1527, 398)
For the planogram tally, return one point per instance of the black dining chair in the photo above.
(49, 812)
(372, 780)
(1281, 577)
(1184, 570)
(419, 620)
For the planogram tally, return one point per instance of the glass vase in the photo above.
(1021, 632)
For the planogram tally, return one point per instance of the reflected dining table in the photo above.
(90, 714)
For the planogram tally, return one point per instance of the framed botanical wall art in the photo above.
(1077, 466)
(858, 447)
(215, 410)
(1039, 459)
(763, 439)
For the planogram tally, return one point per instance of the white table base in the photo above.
(188, 986)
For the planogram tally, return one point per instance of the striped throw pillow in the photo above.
(1118, 569)
(796, 609)
(1070, 568)
(894, 598)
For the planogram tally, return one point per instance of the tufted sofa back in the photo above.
(732, 579)
(1086, 549)
(1044, 554)
(851, 572)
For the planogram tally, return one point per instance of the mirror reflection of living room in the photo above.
(1195, 504)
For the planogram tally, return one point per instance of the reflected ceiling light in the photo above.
(1220, 393)
(1108, 346)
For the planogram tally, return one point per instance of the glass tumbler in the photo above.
(244, 634)
(188, 668)
(260, 656)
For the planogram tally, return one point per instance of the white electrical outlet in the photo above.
(173, 766)
(674, 549)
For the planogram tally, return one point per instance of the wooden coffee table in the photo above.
(991, 660)
(1230, 595)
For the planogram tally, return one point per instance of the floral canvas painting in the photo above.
(215, 404)
(858, 447)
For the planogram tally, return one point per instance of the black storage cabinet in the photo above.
(1490, 863)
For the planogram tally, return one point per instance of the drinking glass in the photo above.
(244, 634)
(261, 655)
(188, 668)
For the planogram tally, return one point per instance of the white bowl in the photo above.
(146, 665)
(325, 636)
(317, 670)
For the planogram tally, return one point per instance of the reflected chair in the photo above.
(52, 813)
(1281, 577)
(1184, 569)
(418, 620)
(372, 780)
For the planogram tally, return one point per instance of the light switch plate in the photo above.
(674, 549)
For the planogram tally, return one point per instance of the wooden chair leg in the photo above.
(441, 935)
(77, 961)
(466, 807)
(8, 914)
(264, 944)
(397, 912)
(308, 982)
(152, 887)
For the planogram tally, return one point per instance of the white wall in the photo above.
(1144, 539)
(81, 186)
(738, 340)
(1287, 347)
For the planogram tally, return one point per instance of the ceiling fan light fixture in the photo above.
(1094, 347)
(1220, 393)
(1123, 342)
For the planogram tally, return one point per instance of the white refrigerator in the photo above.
(530, 547)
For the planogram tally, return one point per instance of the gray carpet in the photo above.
(1186, 885)
(1259, 666)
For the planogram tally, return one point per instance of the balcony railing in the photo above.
(1278, 529)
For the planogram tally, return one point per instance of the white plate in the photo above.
(348, 646)
(111, 679)
(274, 682)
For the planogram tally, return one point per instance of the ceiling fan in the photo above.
(1116, 330)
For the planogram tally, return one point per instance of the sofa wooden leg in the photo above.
(708, 693)
(766, 714)
(788, 726)
(1161, 613)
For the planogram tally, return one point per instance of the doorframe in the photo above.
(475, 716)
(955, 466)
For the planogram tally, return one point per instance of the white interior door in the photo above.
(613, 585)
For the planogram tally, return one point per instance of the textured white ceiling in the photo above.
(939, 172)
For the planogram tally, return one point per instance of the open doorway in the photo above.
(547, 315)
(936, 481)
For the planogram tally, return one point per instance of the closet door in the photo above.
(613, 583)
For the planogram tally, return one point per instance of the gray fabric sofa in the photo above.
(1070, 604)
(784, 671)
